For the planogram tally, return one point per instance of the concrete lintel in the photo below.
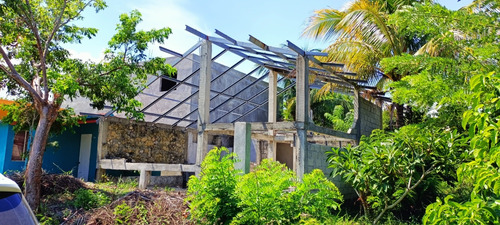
(331, 132)
(121, 164)
(256, 126)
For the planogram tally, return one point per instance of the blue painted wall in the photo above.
(6, 143)
(61, 159)
(4, 133)
(65, 157)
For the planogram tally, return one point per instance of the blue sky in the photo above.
(272, 21)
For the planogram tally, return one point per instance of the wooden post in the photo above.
(204, 99)
(302, 113)
(272, 111)
(242, 139)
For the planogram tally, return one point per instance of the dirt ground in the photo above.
(127, 204)
(142, 207)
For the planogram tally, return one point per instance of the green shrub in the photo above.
(212, 196)
(262, 195)
(389, 169)
(316, 197)
(271, 194)
(87, 199)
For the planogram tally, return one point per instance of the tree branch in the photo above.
(57, 25)
(45, 50)
(32, 25)
(4, 69)
(408, 189)
(111, 71)
(15, 75)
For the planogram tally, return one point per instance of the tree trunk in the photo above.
(33, 175)
(399, 115)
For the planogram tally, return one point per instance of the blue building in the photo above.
(76, 150)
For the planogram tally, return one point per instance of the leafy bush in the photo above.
(212, 196)
(482, 122)
(340, 120)
(271, 194)
(388, 167)
(261, 193)
(315, 197)
(87, 199)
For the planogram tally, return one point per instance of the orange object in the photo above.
(4, 102)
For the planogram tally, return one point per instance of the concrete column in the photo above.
(356, 126)
(302, 113)
(242, 141)
(302, 94)
(144, 178)
(101, 147)
(204, 99)
(271, 112)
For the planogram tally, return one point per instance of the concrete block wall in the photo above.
(367, 117)
(191, 64)
(316, 159)
(370, 116)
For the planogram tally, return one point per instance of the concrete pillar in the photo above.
(302, 113)
(356, 126)
(204, 100)
(272, 112)
(242, 141)
(101, 147)
(144, 178)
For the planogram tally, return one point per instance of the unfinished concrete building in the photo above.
(187, 115)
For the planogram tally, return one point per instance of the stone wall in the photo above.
(142, 142)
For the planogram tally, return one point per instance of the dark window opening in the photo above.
(19, 147)
(166, 84)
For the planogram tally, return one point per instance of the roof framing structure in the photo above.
(280, 60)
(225, 109)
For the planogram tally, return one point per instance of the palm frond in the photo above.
(322, 24)
(327, 89)
(357, 56)
(440, 46)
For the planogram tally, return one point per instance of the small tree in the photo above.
(35, 65)
(388, 167)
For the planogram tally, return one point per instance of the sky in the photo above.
(271, 21)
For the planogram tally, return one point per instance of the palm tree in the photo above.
(361, 37)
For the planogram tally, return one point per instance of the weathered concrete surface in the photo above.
(184, 69)
(367, 117)
(144, 142)
(316, 159)
(242, 142)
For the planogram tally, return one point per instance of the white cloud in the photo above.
(169, 13)
(85, 56)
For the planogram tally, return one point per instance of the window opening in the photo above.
(19, 147)
(166, 84)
